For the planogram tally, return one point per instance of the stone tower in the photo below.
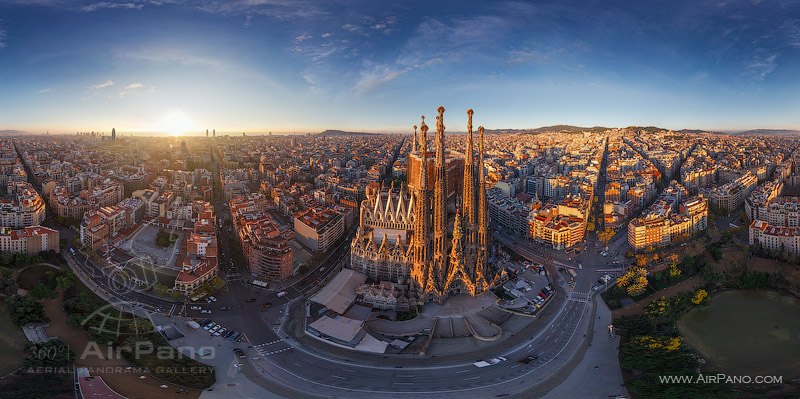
(420, 269)
(440, 258)
(481, 261)
(441, 267)
(468, 204)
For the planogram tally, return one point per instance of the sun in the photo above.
(175, 123)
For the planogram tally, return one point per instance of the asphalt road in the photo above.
(311, 374)
(315, 375)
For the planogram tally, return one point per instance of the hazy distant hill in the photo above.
(768, 132)
(9, 132)
(551, 129)
(335, 133)
(697, 131)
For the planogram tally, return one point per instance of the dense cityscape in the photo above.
(247, 199)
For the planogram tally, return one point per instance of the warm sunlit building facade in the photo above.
(674, 217)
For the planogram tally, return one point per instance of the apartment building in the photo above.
(674, 217)
(318, 228)
(29, 240)
(730, 196)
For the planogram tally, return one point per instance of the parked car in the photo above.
(528, 359)
(219, 332)
(234, 336)
(212, 298)
(224, 308)
(239, 353)
(194, 307)
(281, 294)
(215, 328)
(266, 305)
(204, 322)
(205, 311)
(209, 326)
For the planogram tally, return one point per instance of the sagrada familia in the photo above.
(403, 237)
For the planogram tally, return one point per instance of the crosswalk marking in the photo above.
(579, 297)
(263, 352)
(268, 343)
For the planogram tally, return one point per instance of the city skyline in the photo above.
(261, 66)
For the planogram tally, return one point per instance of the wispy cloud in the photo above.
(130, 88)
(46, 90)
(110, 5)
(366, 25)
(386, 25)
(102, 85)
(524, 55)
(302, 38)
(792, 30)
(376, 76)
(167, 57)
(91, 6)
(178, 56)
(3, 36)
(280, 9)
(436, 42)
(760, 64)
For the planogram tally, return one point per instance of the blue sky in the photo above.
(280, 65)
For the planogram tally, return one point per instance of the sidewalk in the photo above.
(599, 374)
(231, 382)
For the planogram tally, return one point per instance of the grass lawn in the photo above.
(28, 277)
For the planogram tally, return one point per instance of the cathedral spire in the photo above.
(468, 200)
(457, 279)
(421, 257)
(439, 271)
(414, 143)
(423, 175)
(483, 219)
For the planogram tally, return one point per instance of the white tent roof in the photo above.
(341, 328)
(340, 293)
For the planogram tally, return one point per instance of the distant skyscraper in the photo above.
(206, 132)
(113, 134)
(214, 133)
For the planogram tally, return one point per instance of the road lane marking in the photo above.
(472, 378)
(574, 310)
(339, 377)
(348, 370)
(462, 371)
